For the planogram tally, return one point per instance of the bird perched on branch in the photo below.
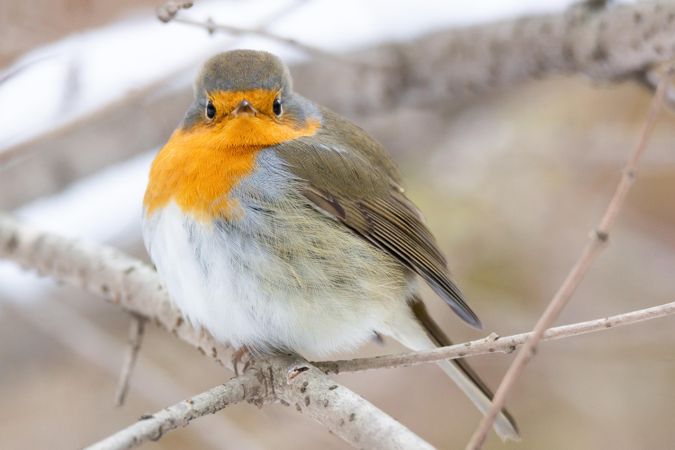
(278, 225)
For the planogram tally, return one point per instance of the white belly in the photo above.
(313, 298)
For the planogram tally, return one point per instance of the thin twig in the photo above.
(152, 427)
(169, 13)
(651, 77)
(211, 26)
(136, 328)
(494, 343)
(594, 247)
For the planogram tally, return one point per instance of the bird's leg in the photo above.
(238, 356)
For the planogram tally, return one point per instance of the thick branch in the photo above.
(358, 422)
(494, 343)
(448, 67)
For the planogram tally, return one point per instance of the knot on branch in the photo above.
(601, 235)
(492, 337)
(294, 371)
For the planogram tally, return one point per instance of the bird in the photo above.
(277, 225)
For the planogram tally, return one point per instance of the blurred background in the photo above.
(511, 184)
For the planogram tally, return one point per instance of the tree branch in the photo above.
(494, 343)
(168, 12)
(594, 247)
(136, 329)
(451, 66)
(294, 383)
(153, 427)
(357, 422)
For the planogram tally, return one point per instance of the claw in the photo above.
(237, 357)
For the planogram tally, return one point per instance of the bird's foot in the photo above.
(242, 354)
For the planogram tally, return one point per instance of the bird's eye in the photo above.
(276, 107)
(210, 110)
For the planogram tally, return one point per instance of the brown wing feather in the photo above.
(398, 231)
(350, 177)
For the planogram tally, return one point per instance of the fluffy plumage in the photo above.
(310, 245)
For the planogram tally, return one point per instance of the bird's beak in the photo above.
(244, 108)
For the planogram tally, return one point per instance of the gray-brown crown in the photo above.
(240, 70)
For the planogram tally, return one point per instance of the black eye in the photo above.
(276, 107)
(210, 110)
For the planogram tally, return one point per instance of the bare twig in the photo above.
(494, 343)
(169, 13)
(345, 413)
(598, 242)
(651, 77)
(136, 328)
(152, 427)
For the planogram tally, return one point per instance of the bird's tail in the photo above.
(459, 371)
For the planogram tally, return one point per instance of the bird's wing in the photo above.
(361, 192)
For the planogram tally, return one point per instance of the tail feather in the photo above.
(461, 373)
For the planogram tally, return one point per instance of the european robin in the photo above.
(277, 225)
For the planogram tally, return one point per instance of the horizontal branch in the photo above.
(451, 66)
(494, 343)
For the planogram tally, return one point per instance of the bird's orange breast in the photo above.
(198, 167)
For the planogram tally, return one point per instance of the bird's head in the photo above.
(244, 98)
(244, 103)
